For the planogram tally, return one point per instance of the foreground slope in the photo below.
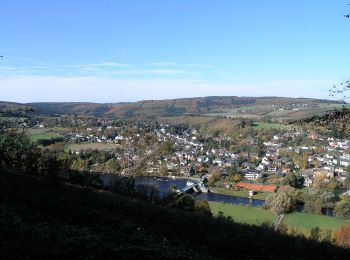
(40, 217)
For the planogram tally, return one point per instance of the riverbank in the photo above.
(239, 193)
(259, 216)
(165, 184)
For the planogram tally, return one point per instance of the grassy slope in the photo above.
(257, 216)
(42, 218)
(305, 221)
(243, 214)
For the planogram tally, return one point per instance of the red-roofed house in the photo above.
(257, 187)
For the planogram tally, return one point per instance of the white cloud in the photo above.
(48, 88)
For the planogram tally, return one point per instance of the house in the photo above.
(307, 181)
(342, 162)
(185, 171)
(201, 159)
(252, 175)
(218, 162)
(265, 161)
(260, 167)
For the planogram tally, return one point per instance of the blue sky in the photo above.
(110, 50)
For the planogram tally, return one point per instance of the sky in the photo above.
(129, 50)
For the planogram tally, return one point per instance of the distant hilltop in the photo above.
(214, 105)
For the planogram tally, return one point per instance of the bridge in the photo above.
(197, 186)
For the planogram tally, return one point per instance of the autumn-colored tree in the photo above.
(215, 176)
(342, 236)
(79, 165)
(163, 171)
(342, 208)
(202, 169)
(237, 178)
(333, 185)
(111, 166)
(202, 206)
(319, 181)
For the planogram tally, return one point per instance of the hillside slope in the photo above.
(242, 107)
(335, 123)
(175, 107)
(41, 218)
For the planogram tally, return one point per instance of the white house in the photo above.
(252, 175)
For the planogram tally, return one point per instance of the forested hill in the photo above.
(336, 123)
(174, 107)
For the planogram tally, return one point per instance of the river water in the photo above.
(164, 184)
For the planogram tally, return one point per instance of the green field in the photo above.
(44, 136)
(45, 133)
(239, 193)
(257, 216)
(243, 214)
(306, 221)
(261, 125)
(93, 146)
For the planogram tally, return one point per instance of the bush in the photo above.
(342, 236)
(342, 208)
(283, 201)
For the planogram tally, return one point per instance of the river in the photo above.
(164, 184)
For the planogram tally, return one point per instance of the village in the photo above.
(265, 159)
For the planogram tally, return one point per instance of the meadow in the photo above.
(258, 216)
(45, 133)
(259, 112)
(93, 146)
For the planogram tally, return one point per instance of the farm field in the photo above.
(45, 133)
(260, 111)
(93, 146)
(262, 125)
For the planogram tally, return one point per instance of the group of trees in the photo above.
(283, 201)
(19, 153)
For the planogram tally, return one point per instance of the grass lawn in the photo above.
(262, 125)
(44, 136)
(242, 214)
(304, 221)
(46, 133)
(257, 216)
(239, 193)
(98, 146)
